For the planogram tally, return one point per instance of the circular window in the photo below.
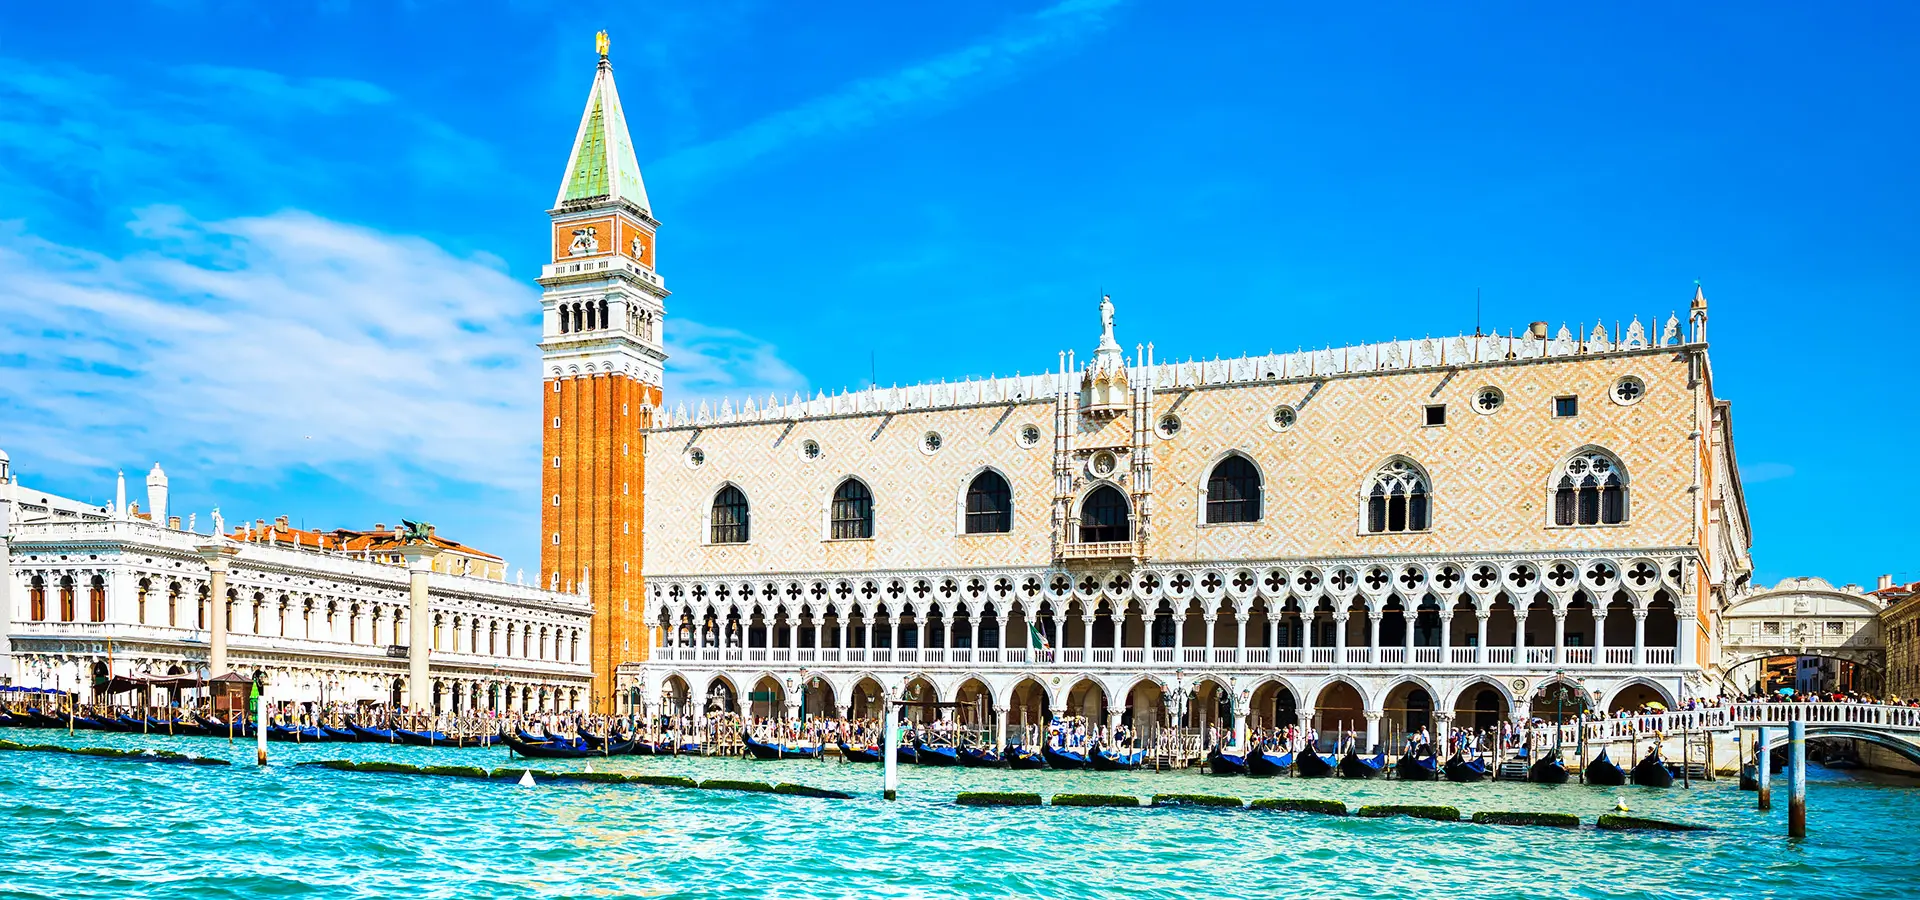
(1029, 436)
(1283, 417)
(696, 457)
(1104, 464)
(1169, 426)
(931, 442)
(810, 449)
(1628, 390)
(1488, 399)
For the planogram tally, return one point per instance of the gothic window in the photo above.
(1398, 498)
(97, 600)
(1233, 492)
(66, 598)
(729, 516)
(37, 598)
(1590, 489)
(173, 605)
(989, 504)
(1103, 516)
(140, 599)
(852, 511)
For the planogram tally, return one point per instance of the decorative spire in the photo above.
(602, 167)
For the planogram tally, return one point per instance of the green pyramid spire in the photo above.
(602, 167)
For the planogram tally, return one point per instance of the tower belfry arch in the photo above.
(602, 360)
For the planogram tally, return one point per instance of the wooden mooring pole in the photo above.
(1796, 779)
(1763, 768)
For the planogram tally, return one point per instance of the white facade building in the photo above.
(105, 593)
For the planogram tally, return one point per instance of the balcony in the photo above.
(1102, 550)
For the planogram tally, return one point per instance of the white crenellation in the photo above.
(1394, 355)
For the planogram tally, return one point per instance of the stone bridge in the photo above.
(1896, 728)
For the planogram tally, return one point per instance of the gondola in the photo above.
(1749, 777)
(859, 754)
(371, 735)
(1602, 772)
(980, 758)
(906, 754)
(1023, 758)
(1414, 767)
(1353, 765)
(339, 734)
(1222, 763)
(760, 749)
(644, 747)
(1463, 770)
(551, 750)
(1062, 759)
(801, 751)
(1652, 771)
(212, 726)
(92, 723)
(690, 748)
(1105, 760)
(118, 723)
(935, 755)
(191, 726)
(1312, 765)
(1262, 764)
(1548, 770)
(296, 734)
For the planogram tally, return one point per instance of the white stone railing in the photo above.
(1880, 716)
(1281, 658)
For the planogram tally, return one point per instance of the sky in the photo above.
(287, 250)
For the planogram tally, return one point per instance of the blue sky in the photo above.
(288, 252)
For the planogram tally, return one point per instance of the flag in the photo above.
(1039, 637)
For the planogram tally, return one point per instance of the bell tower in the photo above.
(601, 363)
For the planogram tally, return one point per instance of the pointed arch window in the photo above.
(66, 598)
(852, 513)
(989, 504)
(1398, 498)
(97, 599)
(1590, 489)
(730, 516)
(1104, 516)
(37, 598)
(1233, 492)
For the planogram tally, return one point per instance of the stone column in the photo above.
(1686, 631)
(1639, 637)
(1373, 730)
(1240, 639)
(1599, 635)
(419, 559)
(1119, 630)
(1480, 648)
(1240, 725)
(1409, 617)
(219, 555)
(1340, 637)
(1210, 618)
(1559, 636)
(1086, 634)
(1373, 640)
(843, 636)
(1446, 637)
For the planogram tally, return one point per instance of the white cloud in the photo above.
(248, 348)
(924, 84)
(706, 362)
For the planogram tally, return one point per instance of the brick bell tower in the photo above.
(601, 363)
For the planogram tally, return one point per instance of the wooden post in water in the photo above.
(1796, 779)
(1686, 757)
(260, 726)
(889, 751)
(1763, 768)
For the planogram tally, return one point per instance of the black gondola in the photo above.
(1652, 771)
(1219, 763)
(368, 735)
(980, 758)
(1548, 770)
(1604, 773)
(1414, 767)
(1262, 764)
(551, 749)
(936, 755)
(1105, 760)
(1062, 759)
(1023, 758)
(906, 754)
(1310, 764)
(1353, 765)
(760, 749)
(859, 754)
(1464, 770)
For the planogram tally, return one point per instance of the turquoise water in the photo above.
(82, 828)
